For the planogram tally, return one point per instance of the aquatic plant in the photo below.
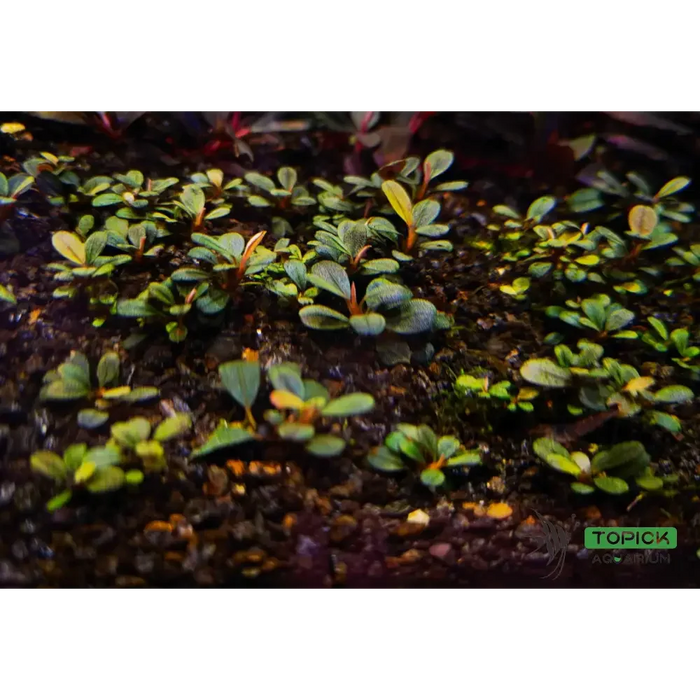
(606, 385)
(285, 193)
(302, 404)
(72, 381)
(423, 448)
(10, 190)
(133, 194)
(95, 470)
(138, 441)
(598, 313)
(386, 305)
(191, 205)
(500, 394)
(610, 470)
(419, 219)
(348, 245)
(300, 408)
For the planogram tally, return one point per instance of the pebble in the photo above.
(441, 550)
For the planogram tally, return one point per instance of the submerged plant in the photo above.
(138, 441)
(72, 381)
(423, 448)
(284, 193)
(386, 305)
(598, 313)
(302, 404)
(606, 385)
(419, 219)
(610, 470)
(499, 394)
(95, 469)
(10, 190)
(231, 259)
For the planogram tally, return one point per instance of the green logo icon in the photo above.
(630, 538)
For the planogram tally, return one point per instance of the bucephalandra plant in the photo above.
(516, 225)
(230, 260)
(348, 244)
(10, 190)
(610, 470)
(301, 407)
(385, 306)
(106, 468)
(133, 193)
(165, 303)
(598, 313)
(302, 404)
(499, 394)
(608, 385)
(191, 205)
(72, 381)
(285, 193)
(419, 219)
(138, 441)
(419, 445)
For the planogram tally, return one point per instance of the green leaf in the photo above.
(107, 199)
(384, 460)
(562, 464)
(7, 296)
(84, 472)
(540, 208)
(664, 420)
(108, 369)
(437, 163)
(193, 200)
(286, 376)
(447, 446)
(628, 457)
(611, 485)
(130, 433)
(349, 405)
(223, 437)
(106, 479)
(258, 180)
(583, 489)
(467, 458)
(297, 432)
(133, 477)
(368, 324)
(674, 394)
(74, 456)
(242, 380)
(90, 418)
(65, 390)
(642, 220)
(595, 311)
(325, 445)
(414, 316)
(172, 427)
(322, 318)
(673, 186)
(432, 478)
(49, 464)
(58, 501)
(425, 212)
(383, 293)
(103, 456)
(618, 319)
(287, 178)
(545, 372)
(649, 483)
(141, 393)
(330, 276)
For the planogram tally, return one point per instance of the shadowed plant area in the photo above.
(345, 349)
